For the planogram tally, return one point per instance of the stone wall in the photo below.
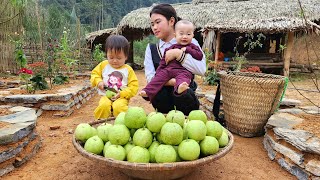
(63, 103)
(19, 140)
(297, 151)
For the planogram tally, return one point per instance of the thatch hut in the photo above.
(99, 37)
(277, 17)
(10, 26)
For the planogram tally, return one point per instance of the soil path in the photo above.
(58, 159)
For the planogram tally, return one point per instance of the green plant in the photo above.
(98, 55)
(66, 53)
(211, 77)
(251, 43)
(19, 55)
(60, 79)
(208, 58)
(39, 82)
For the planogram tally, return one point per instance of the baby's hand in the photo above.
(115, 97)
(184, 49)
(101, 85)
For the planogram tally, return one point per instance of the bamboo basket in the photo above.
(249, 99)
(153, 170)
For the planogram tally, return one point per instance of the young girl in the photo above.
(114, 74)
(163, 19)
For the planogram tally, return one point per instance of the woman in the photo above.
(163, 19)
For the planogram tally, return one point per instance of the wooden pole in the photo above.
(287, 54)
(39, 28)
(217, 49)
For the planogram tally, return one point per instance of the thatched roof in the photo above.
(98, 37)
(252, 15)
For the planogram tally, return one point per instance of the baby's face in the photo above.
(184, 33)
(116, 58)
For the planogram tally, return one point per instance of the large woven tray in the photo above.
(153, 170)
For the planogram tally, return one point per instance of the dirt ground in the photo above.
(58, 159)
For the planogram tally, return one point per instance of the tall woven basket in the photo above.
(249, 99)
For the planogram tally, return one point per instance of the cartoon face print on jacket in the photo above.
(115, 80)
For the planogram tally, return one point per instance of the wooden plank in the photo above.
(287, 55)
(217, 49)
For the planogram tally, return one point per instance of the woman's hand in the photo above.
(173, 54)
(101, 85)
(171, 82)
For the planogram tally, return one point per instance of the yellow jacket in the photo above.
(130, 80)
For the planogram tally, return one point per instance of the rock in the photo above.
(54, 127)
(28, 98)
(291, 111)
(311, 109)
(303, 140)
(12, 151)
(290, 102)
(294, 170)
(313, 166)
(267, 146)
(4, 93)
(22, 124)
(283, 120)
(292, 155)
(6, 169)
(18, 109)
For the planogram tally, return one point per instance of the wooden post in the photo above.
(287, 53)
(217, 49)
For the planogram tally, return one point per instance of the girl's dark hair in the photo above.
(166, 10)
(118, 43)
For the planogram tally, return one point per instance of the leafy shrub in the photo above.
(39, 82)
(60, 79)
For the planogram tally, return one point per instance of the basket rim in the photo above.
(153, 166)
(244, 75)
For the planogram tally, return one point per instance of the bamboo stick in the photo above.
(288, 53)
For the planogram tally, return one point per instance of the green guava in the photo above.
(103, 130)
(189, 150)
(116, 152)
(106, 146)
(83, 132)
(214, 129)
(152, 150)
(155, 121)
(209, 145)
(135, 117)
(94, 145)
(196, 130)
(128, 147)
(120, 118)
(139, 155)
(176, 117)
(110, 94)
(142, 137)
(165, 154)
(198, 115)
(171, 133)
(119, 134)
(223, 140)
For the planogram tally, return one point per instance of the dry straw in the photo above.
(249, 99)
(251, 15)
(153, 170)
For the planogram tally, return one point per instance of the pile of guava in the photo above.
(156, 138)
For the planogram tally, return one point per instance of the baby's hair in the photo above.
(118, 43)
(187, 22)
